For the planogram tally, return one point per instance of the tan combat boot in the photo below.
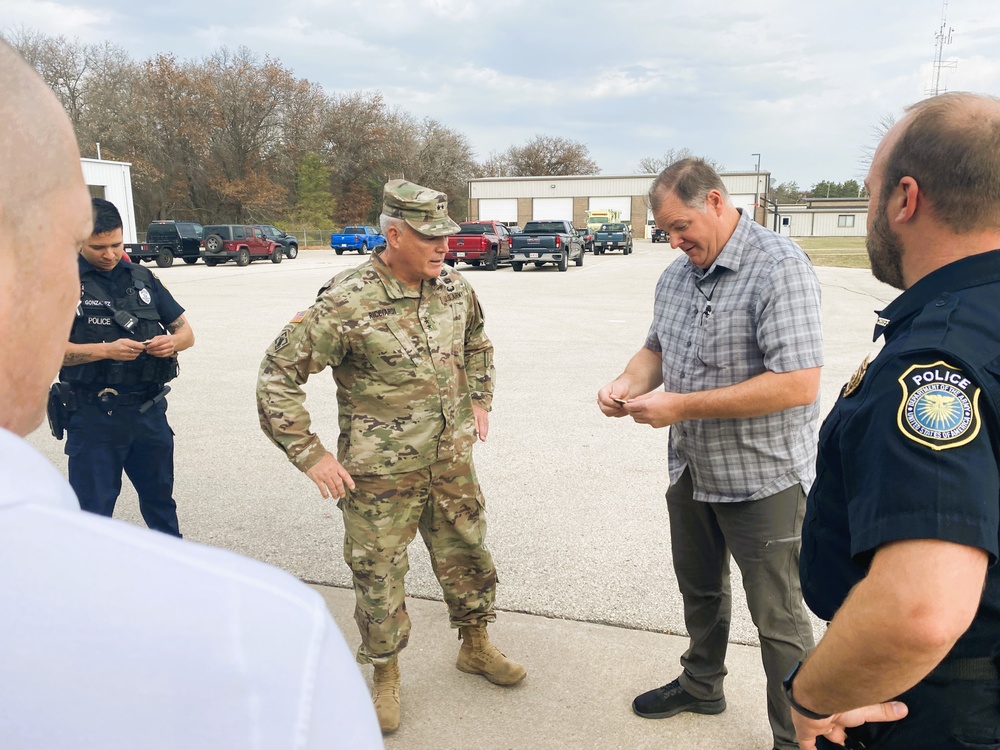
(385, 695)
(479, 656)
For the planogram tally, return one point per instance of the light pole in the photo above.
(756, 196)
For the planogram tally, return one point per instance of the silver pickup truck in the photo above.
(544, 242)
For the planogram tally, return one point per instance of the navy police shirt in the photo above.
(119, 278)
(910, 450)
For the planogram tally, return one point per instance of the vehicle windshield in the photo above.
(475, 228)
(544, 227)
(612, 227)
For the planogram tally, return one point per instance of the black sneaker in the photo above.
(672, 699)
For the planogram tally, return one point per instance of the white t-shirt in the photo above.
(113, 636)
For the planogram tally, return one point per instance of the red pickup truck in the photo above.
(485, 243)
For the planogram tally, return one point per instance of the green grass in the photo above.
(843, 252)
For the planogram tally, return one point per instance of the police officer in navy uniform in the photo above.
(122, 351)
(901, 532)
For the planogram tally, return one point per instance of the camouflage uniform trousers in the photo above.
(381, 517)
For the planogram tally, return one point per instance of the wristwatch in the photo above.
(787, 685)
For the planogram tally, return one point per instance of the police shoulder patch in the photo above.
(940, 406)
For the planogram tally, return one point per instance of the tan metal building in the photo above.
(517, 200)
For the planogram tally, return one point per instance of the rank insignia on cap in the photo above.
(940, 406)
(299, 316)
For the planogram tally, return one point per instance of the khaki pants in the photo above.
(381, 517)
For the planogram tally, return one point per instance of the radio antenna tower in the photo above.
(943, 37)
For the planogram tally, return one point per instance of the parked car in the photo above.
(616, 236)
(240, 242)
(544, 242)
(289, 244)
(659, 235)
(479, 242)
(364, 239)
(166, 240)
(587, 238)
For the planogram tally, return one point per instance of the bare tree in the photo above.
(878, 130)
(358, 145)
(495, 165)
(245, 120)
(445, 163)
(550, 155)
(166, 139)
(112, 81)
(656, 164)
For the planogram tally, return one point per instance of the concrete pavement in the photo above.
(578, 692)
(578, 524)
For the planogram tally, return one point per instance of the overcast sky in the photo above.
(800, 82)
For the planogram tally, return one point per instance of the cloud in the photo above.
(54, 19)
(800, 83)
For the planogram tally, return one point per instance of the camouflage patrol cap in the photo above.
(425, 210)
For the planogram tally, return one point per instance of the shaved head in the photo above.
(44, 216)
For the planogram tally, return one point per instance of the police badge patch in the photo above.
(940, 406)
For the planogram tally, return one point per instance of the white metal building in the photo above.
(822, 217)
(112, 180)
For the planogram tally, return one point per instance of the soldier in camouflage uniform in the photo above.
(403, 335)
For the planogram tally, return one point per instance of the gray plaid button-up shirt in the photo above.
(757, 308)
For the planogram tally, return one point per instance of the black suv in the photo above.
(174, 239)
(289, 244)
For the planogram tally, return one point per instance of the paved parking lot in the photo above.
(578, 523)
(575, 500)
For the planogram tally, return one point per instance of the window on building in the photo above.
(845, 220)
(97, 191)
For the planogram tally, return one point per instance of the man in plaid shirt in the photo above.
(736, 341)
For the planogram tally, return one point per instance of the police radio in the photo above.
(126, 320)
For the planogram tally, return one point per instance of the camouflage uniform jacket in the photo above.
(408, 363)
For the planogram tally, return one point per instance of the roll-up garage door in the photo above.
(498, 209)
(548, 209)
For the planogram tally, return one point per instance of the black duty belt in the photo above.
(129, 398)
(982, 669)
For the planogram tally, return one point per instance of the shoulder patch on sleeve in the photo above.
(940, 406)
(282, 341)
(297, 318)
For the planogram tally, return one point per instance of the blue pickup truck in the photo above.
(541, 242)
(361, 239)
(616, 236)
